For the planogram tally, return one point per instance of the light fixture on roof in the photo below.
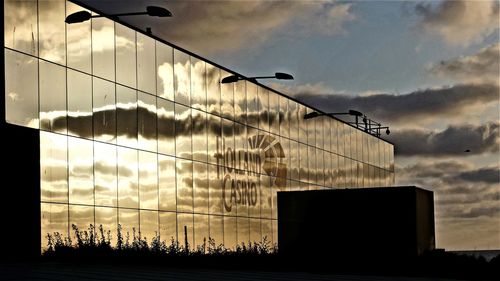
(152, 11)
(236, 78)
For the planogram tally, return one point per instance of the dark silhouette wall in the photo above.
(20, 184)
(388, 222)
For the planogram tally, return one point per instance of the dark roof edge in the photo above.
(213, 63)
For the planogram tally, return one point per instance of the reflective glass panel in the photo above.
(52, 97)
(126, 55)
(252, 105)
(126, 116)
(166, 176)
(104, 109)
(184, 172)
(240, 102)
(21, 26)
(334, 134)
(263, 96)
(243, 199)
(79, 104)
(51, 29)
(273, 113)
(81, 171)
(168, 227)
(78, 37)
(199, 135)
(254, 194)
(243, 231)
(149, 225)
(294, 120)
(213, 89)
(215, 175)
(228, 142)
(185, 229)
(320, 167)
(284, 116)
(21, 95)
(146, 106)
(80, 219)
(302, 123)
(214, 141)
(105, 174)
(200, 187)
(327, 134)
(103, 48)
(294, 160)
(129, 221)
(148, 180)
(255, 234)
(166, 126)
(146, 72)
(128, 178)
(53, 167)
(54, 218)
(108, 219)
(183, 131)
(165, 71)
(198, 84)
(311, 156)
(182, 77)
(227, 98)
(230, 239)
(319, 132)
(217, 229)
(201, 233)
(266, 196)
(267, 231)
(304, 170)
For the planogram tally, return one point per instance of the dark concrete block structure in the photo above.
(391, 222)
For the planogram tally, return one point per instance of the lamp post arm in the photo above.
(120, 15)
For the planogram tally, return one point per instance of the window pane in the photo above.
(79, 104)
(103, 48)
(311, 128)
(54, 218)
(240, 102)
(104, 110)
(214, 139)
(147, 122)
(199, 135)
(81, 174)
(21, 95)
(263, 95)
(185, 230)
(266, 196)
(182, 80)
(166, 170)
(230, 240)
(183, 130)
(255, 234)
(243, 231)
(184, 172)
(198, 84)
(21, 26)
(129, 221)
(215, 189)
(228, 142)
(168, 227)
(128, 177)
(213, 89)
(105, 174)
(217, 229)
(52, 97)
(200, 187)
(304, 170)
(165, 70)
(149, 225)
(53, 167)
(80, 218)
(254, 194)
(302, 110)
(146, 64)
(108, 219)
(227, 98)
(148, 180)
(166, 126)
(125, 55)
(201, 232)
(51, 28)
(283, 117)
(252, 105)
(126, 116)
(267, 232)
(273, 113)
(294, 160)
(294, 120)
(78, 38)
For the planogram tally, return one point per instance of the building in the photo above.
(138, 132)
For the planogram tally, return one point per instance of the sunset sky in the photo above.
(429, 70)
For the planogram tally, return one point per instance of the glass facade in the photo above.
(138, 133)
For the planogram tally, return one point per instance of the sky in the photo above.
(428, 69)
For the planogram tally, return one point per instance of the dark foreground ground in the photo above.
(61, 271)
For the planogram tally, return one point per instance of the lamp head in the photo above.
(77, 17)
(155, 11)
(387, 131)
(283, 76)
(311, 115)
(230, 79)
(355, 113)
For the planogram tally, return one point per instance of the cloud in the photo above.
(482, 67)
(487, 175)
(459, 22)
(212, 26)
(454, 140)
(420, 106)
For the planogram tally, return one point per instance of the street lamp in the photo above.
(152, 11)
(315, 114)
(236, 78)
